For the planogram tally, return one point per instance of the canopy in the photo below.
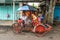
(26, 7)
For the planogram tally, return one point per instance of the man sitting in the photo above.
(39, 27)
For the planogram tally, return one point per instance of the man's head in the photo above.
(23, 14)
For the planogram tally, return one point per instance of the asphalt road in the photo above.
(9, 35)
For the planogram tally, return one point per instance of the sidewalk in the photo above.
(9, 35)
(5, 23)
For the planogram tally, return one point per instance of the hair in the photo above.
(19, 18)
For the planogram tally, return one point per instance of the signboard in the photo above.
(2, 1)
(29, 0)
(8, 0)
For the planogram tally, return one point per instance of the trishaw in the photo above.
(37, 27)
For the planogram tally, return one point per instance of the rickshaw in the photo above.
(38, 27)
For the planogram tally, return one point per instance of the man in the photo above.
(39, 27)
(23, 17)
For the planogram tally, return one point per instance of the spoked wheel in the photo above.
(16, 28)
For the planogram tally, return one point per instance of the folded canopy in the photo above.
(26, 7)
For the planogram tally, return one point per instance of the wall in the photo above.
(57, 12)
(4, 10)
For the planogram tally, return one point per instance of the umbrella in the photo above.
(26, 7)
